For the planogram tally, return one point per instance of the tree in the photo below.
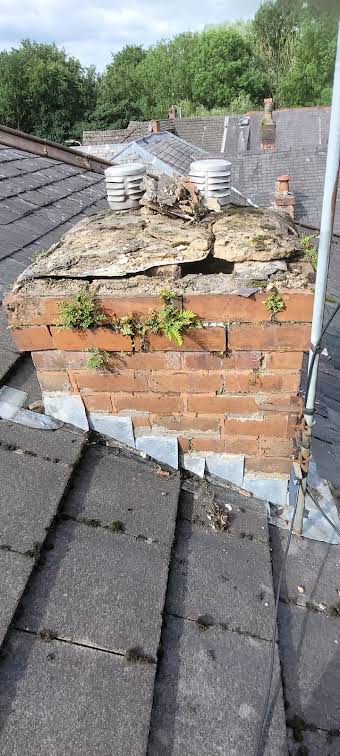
(118, 90)
(308, 80)
(275, 26)
(44, 91)
(165, 76)
(223, 69)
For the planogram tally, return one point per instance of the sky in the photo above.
(93, 30)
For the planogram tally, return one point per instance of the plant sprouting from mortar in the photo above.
(170, 321)
(310, 252)
(82, 312)
(98, 359)
(274, 303)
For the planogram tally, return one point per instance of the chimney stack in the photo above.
(268, 127)
(173, 112)
(283, 198)
(155, 127)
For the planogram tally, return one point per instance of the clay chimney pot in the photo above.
(282, 184)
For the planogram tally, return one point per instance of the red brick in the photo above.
(271, 425)
(283, 360)
(177, 383)
(268, 337)
(253, 382)
(98, 402)
(155, 403)
(121, 306)
(230, 361)
(94, 380)
(220, 403)
(275, 447)
(54, 380)
(187, 422)
(146, 361)
(195, 340)
(268, 464)
(184, 444)
(277, 402)
(32, 338)
(101, 338)
(230, 307)
(55, 360)
(141, 421)
(230, 445)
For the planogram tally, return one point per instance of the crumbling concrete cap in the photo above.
(118, 244)
(243, 234)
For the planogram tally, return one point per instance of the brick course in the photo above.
(232, 387)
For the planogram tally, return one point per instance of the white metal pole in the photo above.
(326, 231)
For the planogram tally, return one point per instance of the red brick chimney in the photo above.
(173, 112)
(283, 198)
(155, 127)
(268, 127)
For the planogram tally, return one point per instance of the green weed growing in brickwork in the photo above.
(82, 312)
(98, 359)
(274, 303)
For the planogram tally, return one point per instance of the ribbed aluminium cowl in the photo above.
(212, 178)
(123, 185)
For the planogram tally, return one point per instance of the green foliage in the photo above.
(310, 252)
(287, 51)
(169, 321)
(82, 313)
(172, 322)
(98, 359)
(274, 303)
(44, 91)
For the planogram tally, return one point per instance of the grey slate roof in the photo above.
(204, 131)
(40, 198)
(255, 176)
(296, 129)
(170, 149)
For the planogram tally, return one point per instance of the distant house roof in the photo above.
(163, 152)
(296, 129)
(204, 131)
(44, 189)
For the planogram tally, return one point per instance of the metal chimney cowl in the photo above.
(123, 185)
(212, 178)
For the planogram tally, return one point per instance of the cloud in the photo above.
(93, 31)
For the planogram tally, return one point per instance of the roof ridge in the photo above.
(46, 148)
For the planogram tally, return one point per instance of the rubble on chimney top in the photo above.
(173, 236)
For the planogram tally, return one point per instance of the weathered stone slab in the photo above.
(111, 487)
(115, 244)
(209, 694)
(64, 445)
(14, 570)
(225, 577)
(243, 234)
(312, 566)
(31, 490)
(309, 651)
(56, 698)
(101, 589)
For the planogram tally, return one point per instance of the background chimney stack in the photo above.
(155, 127)
(283, 198)
(268, 127)
(173, 112)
